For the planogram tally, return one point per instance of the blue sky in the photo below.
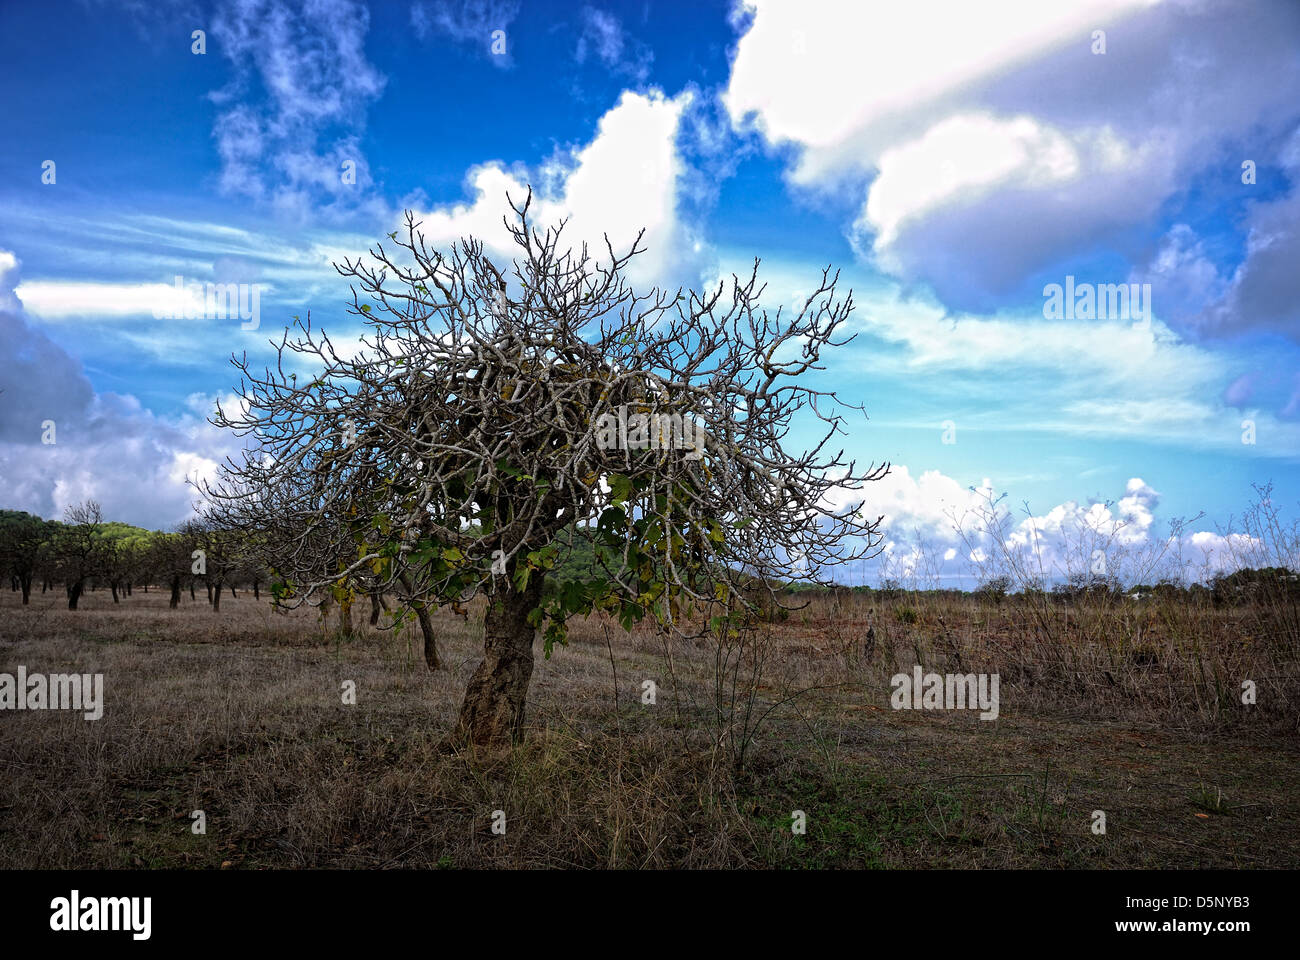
(952, 159)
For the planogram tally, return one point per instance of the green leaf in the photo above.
(555, 633)
(620, 488)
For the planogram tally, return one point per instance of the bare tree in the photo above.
(486, 429)
(78, 549)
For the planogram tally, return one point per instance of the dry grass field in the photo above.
(1128, 709)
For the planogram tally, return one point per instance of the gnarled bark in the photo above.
(492, 714)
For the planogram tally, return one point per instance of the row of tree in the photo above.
(1245, 586)
(86, 552)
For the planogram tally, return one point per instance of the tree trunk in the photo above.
(27, 588)
(374, 609)
(430, 639)
(257, 594)
(113, 587)
(208, 584)
(345, 617)
(176, 592)
(233, 595)
(216, 598)
(426, 627)
(74, 594)
(492, 714)
(191, 591)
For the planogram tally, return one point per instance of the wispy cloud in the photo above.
(482, 25)
(604, 40)
(288, 129)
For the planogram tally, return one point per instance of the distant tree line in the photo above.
(83, 551)
(1240, 587)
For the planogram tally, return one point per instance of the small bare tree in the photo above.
(488, 428)
(78, 548)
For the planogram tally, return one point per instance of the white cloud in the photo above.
(847, 81)
(1084, 377)
(624, 180)
(924, 504)
(602, 34)
(106, 446)
(307, 68)
(961, 164)
(59, 299)
(470, 22)
(936, 531)
(1261, 293)
(604, 37)
(292, 270)
(9, 267)
(992, 140)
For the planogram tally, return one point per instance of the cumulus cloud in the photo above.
(1027, 189)
(937, 532)
(1004, 125)
(847, 81)
(106, 446)
(1262, 292)
(625, 179)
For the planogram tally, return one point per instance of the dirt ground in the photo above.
(242, 715)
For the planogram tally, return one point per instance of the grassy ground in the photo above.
(240, 714)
